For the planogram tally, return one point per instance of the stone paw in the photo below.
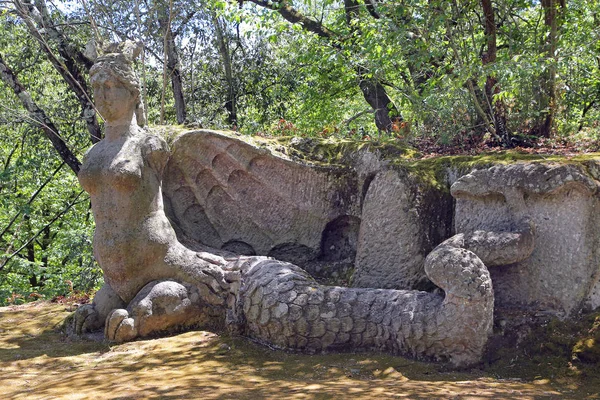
(86, 319)
(120, 327)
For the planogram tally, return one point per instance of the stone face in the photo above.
(561, 202)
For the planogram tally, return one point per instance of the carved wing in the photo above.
(223, 192)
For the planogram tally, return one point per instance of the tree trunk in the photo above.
(144, 93)
(70, 65)
(164, 21)
(191, 79)
(231, 101)
(548, 78)
(44, 242)
(471, 83)
(386, 113)
(30, 253)
(33, 279)
(171, 67)
(352, 11)
(176, 81)
(497, 107)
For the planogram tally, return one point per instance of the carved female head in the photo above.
(116, 87)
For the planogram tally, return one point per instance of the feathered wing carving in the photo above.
(228, 194)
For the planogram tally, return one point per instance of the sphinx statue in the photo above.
(154, 284)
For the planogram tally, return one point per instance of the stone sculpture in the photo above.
(155, 284)
(134, 242)
(560, 199)
(224, 192)
(369, 213)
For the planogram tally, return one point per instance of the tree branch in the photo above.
(373, 92)
(183, 23)
(371, 9)
(66, 47)
(33, 196)
(39, 117)
(37, 17)
(38, 233)
(357, 115)
(292, 15)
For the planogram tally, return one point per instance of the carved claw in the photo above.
(165, 306)
(120, 327)
(86, 319)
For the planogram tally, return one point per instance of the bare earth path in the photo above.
(37, 362)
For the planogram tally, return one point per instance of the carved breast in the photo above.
(119, 168)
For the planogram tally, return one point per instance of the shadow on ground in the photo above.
(37, 362)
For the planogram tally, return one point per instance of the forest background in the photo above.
(442, 76)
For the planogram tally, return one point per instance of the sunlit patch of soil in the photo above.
(38, 362)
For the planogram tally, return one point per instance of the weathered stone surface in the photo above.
(561, 202)
(226, 193)
(119, 319)
(106, 300)
(454, 327)
(402, 221)
(592, 302)
(91, 317)
(160, 307)
(134, 242)
(281, 310)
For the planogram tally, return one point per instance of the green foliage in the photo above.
(248, 68)
(425, 53)
(45, 223)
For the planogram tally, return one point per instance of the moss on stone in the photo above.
(340, 151)
(587, 348)
(325, 151)
(435, 170)
(430, 172)
(167, 132)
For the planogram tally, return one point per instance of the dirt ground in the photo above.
(38, 362)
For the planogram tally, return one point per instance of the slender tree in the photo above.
(386, 113)
(492, 88)
(68, 59)
(552, 15)
(38, 117)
